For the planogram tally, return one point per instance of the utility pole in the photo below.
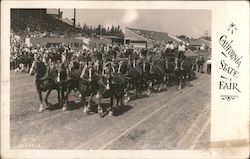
(59, 14)
(74, 19)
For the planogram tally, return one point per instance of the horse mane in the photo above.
(41, 69)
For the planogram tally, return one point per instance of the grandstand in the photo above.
(155, 35)
(48, 23)
(36, 22)
(148, 38)
(41, 24)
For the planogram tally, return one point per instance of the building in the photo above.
(199, 44)
(47, 41)
(132, 38)
(96, 42)
(114, 39)
(145, 38)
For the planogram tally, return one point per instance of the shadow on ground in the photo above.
(73, 105)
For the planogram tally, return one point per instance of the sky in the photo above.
(192, 23)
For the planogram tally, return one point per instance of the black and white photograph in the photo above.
(124, 79)
(119, 79)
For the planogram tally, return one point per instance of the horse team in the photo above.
(110, 78)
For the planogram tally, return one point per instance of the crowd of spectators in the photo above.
(22, 55)
(36, 23)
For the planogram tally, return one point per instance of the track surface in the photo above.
(172, 119)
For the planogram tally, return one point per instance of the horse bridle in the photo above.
(109, 74)
(32, 66)
(119, 67)
(90, 73)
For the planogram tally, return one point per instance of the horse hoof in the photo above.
(125, 102)
(128, 98)
(85, 111)
(148, 93)
(41, 110)
(165, 88)
(101, 114)
(64, 108)
(100, 111)
(111, 113)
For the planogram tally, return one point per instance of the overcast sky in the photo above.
(192, 23)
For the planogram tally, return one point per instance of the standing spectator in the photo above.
(209, 65)
(200, 62)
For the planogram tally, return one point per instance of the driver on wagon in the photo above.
(181, 51)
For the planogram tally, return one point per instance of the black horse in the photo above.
(169, 71)
(135, 76)
(184, 71)
(77, 79)
(45, 81)
(111, 85)
(155, 70)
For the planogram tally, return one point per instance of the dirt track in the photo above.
(172, 119)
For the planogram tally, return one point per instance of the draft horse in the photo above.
(111, 85)
(81, 80)
(45, 81)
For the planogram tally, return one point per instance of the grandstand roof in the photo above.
(133, 36)
(199, 42)
(110, 37)
(206, 42)
(154, 35)
(68, 21)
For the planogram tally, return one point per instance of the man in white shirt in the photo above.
(167, 50)
(181, 51)
(209, 65)
(181, 47)
(167, 46)
(171, 47)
